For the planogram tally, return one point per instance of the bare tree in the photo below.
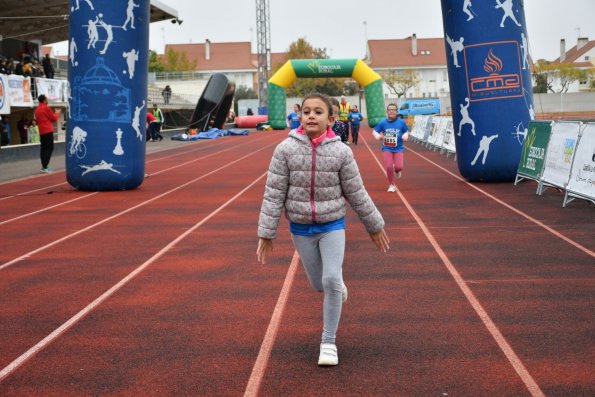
(399, 82)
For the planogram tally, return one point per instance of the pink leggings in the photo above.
(393, 162)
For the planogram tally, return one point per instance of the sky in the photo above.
(339, 26)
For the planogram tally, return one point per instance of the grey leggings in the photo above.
(322, 256)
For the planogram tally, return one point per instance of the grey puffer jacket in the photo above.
(313, 184)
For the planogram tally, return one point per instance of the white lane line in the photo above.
(46, 208)
(93, 305)
(266, 347)
(65, 183)
(91, 194)
(510, 354)
(510, 207)
(30, 191)
(31, 253)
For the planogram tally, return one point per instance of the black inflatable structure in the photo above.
(213, 105)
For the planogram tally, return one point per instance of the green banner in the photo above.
(323, 67)
(534, 149)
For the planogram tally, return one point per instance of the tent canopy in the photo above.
(47, 20)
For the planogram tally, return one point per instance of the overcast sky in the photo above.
(339, 26)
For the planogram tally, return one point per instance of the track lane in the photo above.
(129, 238)
(29, 236)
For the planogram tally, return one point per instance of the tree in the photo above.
(243, 92)
(171, 61)
(399, 82)
(302, 49)
(155, 64)
(564, 74)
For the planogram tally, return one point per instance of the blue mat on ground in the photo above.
(213, 133)
(237, 132)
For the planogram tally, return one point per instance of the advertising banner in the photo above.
(19, 91)
(559, 154)
(534, 149)
(4, 99)
(52, 89)
(582, 175)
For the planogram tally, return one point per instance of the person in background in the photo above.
(354, 120)
(4, 131)
(46, 118)
(339, 128)
(249, 112)
(151, 125)
(22, 127)
(344, 109)
(293, 119)
(166, 93)
(3, 68)
(393, 132)
(312, 162)
(159, 122)
(48, 67)
(33, 132)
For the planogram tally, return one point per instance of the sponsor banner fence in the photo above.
(435, 131)
(4, 98)
(19, 91)
(582, 176)
(52, 89)
(559, 155)
(534, 149)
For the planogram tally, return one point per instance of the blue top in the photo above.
(393, 134)
(301, 229)
(294, 120)
(355, 117)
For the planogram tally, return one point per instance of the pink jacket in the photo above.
(313, 186)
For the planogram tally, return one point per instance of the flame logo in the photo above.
(493, 64)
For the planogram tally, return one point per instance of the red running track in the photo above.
(487, 288)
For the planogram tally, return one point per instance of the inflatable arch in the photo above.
(312, 68)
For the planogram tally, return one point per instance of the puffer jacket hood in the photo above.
(313, 185)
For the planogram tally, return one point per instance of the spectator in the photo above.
(48, 67)
(249, 112)
(10, 66)
(33, 132)
(27, 67)
(166, 93)
(22, 127)
(3, 68)
(36, 69)
(158, 123)
(46, 119)
(4, 137)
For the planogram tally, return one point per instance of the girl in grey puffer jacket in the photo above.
(312, 175)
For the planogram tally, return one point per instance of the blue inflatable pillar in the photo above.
(107, 75)
(489, 73)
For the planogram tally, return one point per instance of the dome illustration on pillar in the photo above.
(98, 83)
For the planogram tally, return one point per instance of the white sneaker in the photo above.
(392, 189)
(328, 355)
(344, 293)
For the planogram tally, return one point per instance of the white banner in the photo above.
(19, 91)
(560, 151)
(52, 89)
(582, 176)
(4, 98)
(449, 137)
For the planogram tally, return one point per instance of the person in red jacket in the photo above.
(46, 118)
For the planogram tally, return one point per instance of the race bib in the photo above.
(390, 139)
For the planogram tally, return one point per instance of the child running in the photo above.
(394, 131)
(312, 176)
(354, 119)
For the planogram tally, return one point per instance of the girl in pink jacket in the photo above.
(312, 176)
